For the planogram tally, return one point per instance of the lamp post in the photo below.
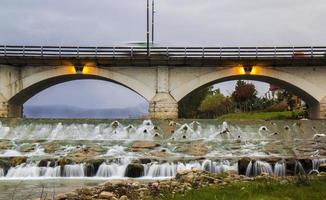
(153, 15)
(147, 34)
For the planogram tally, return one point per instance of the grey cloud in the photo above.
(178, 22)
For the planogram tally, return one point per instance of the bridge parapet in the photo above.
(168, 56)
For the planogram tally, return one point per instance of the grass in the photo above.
(259, 116)
(313, 190)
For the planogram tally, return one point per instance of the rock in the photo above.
(243, 164)
(60, 197)
(27, 147)
(124, 197)
(144, 145)
(322, 167)
(134, 170)
(5, 144)
(14, 161)
(198, 149)
(135, 184)
(107, 195)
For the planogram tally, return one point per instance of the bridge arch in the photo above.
(33, 83)
(309, 92)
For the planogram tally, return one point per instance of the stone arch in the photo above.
(310, 93)
(33, 83)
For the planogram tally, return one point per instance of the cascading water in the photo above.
(258, 167)
(109, 150)
(280, 169)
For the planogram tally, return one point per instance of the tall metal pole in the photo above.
(153, 14)
(147, 28)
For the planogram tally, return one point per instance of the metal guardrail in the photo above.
(182, 52)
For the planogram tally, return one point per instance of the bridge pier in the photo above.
(322, 109)
(8, 110)
(163, 106)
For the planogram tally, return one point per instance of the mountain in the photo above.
(60, 111)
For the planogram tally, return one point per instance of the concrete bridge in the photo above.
(165, 76)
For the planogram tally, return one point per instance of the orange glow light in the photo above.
(86, 70)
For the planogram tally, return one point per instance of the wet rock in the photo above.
(198, 149)
(5, 164)
(27, 147)
(5, 144)
(14, 161)
(134, 170)
(322, 167)
(144, 145)
(47, 162)
(51, 147)
(145, 160)
(306, 164)
(243, 164)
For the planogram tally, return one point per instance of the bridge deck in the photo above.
(167, 56)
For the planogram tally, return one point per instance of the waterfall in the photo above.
(315, 165)
(280, 169)
(298, 169)
(32, 170)
(2, 172)
(77, 170)
(171, 169)
(258, 167)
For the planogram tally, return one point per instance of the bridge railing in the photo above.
(181, 52)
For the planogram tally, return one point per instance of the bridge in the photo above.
(163, 77)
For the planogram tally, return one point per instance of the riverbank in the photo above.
(198, 184)
(285, 115)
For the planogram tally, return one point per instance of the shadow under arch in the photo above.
(16, 102)
(311, 101)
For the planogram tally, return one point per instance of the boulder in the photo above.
(134, 170)
(60, 196)
(107, 195)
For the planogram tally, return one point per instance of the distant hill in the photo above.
(59, 111)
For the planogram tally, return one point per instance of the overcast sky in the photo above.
(178, 22)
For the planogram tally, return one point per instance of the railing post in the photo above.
(185, 52)
(220, 52)
(312, 52)
(239, 52)
(5, 49)
(293, 52)
(24, 51)
(77, 52)
(113, 52)
(203, 52)
(274, 52)
(167, 51)
(60, 51)
(132, 51)
(95, 52)
(256, 52)
(42, 51)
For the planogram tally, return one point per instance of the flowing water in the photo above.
(146, 150)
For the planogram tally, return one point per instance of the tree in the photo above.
(215, 104)
(189, 105)
(289, 98)
(244, 95)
